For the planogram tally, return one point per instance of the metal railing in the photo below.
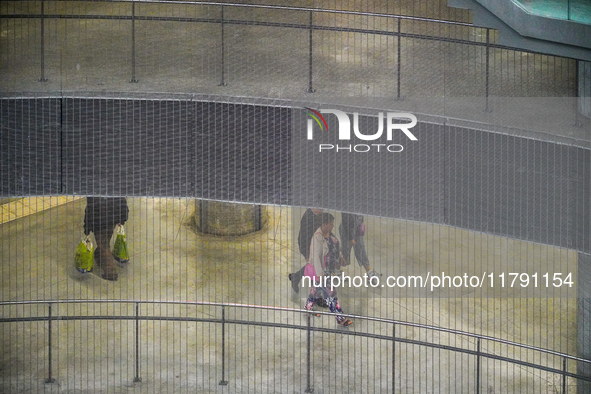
(478, 353)
(487, 41)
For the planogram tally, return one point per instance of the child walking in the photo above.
(325, 257)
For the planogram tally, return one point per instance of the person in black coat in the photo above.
(352, 230)
(101, 216)
(311, 221)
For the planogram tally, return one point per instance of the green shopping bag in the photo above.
(84, 260)
(120, 248)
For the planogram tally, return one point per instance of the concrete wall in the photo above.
(144, 148)
(484, 181)
(521, 29)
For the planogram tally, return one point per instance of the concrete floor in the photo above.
(171, 262)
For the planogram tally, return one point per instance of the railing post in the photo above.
(393, 357)
(564, 375)
(487, 109)
(399, 67)
(42, 77)
(310, 86)
(478, 366)
(223, 382)
(309, 388)
(137, 378)
(223, 81)
(49, 379)
(133, 77)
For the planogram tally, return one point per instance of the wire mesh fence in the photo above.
(197, 113)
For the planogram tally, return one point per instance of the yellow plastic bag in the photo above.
(84, 260)
(120, 251)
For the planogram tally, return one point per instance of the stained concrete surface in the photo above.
(171, 262)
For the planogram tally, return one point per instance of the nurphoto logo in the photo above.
(344, 130)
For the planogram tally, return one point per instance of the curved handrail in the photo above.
(281, 24)
(286, 309)
(287, 8)
(277, 24)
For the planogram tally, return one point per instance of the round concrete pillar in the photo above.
(584, 319)
(222, 218)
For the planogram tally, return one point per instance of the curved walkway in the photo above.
(172, 263)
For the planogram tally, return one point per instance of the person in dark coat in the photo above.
(101, 216)
(352, 230)
(310, 222)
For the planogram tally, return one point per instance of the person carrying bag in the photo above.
(101, 216)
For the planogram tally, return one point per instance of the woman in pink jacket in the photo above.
(325, 256)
